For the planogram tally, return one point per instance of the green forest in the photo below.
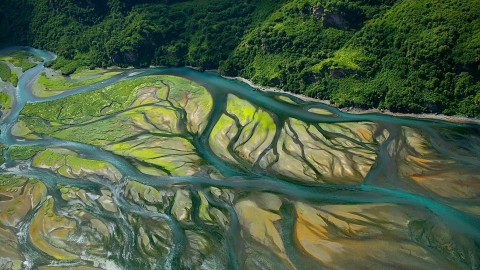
(402, 55)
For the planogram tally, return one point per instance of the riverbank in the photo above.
(449, 118)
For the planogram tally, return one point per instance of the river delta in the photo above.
(171, 168)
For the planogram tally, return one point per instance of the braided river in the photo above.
(197, 171)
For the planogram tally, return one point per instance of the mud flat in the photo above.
(176, 169)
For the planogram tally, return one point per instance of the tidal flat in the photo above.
(171, 168)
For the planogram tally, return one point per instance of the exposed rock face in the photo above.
(317, 12)
(333, 19)
(338, 73)
(125, 57)
(329, 18)
(130, 57)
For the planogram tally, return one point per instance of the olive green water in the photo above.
(177, 169)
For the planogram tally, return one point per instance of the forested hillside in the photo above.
(402, 55)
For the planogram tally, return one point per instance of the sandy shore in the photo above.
(456, 119)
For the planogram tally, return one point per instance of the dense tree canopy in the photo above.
(403, 55)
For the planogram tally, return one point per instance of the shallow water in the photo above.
(422, 169)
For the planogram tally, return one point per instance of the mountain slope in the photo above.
(402, 55)
(415, 56)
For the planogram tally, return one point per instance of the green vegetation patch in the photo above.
(105, 115)
(100, 132)
(349, 59)
(314, 47)
(7, 75)
(10, 180)
(5, 101)
(2, 159)
(25, 127)
(49, 158)
(58, 158)
(5, 72)
(247, 113)
(77, 163)
(57, 82)
(83, 107)
(20, 152)
(7, 179)
(68, 164)
(21, 59)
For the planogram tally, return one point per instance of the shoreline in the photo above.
(352, 110)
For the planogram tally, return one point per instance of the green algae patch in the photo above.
(68, 164)
(5, 72)
(71, 193)
(77, 163)
(285, 98)
(172, 155)
(245, 136)
(222, 133)
(8, 180)
(242, 132)
(320, 111)
(49, 158)
(150, 170)
(247, 113)
(156, 118)
(82, 108)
